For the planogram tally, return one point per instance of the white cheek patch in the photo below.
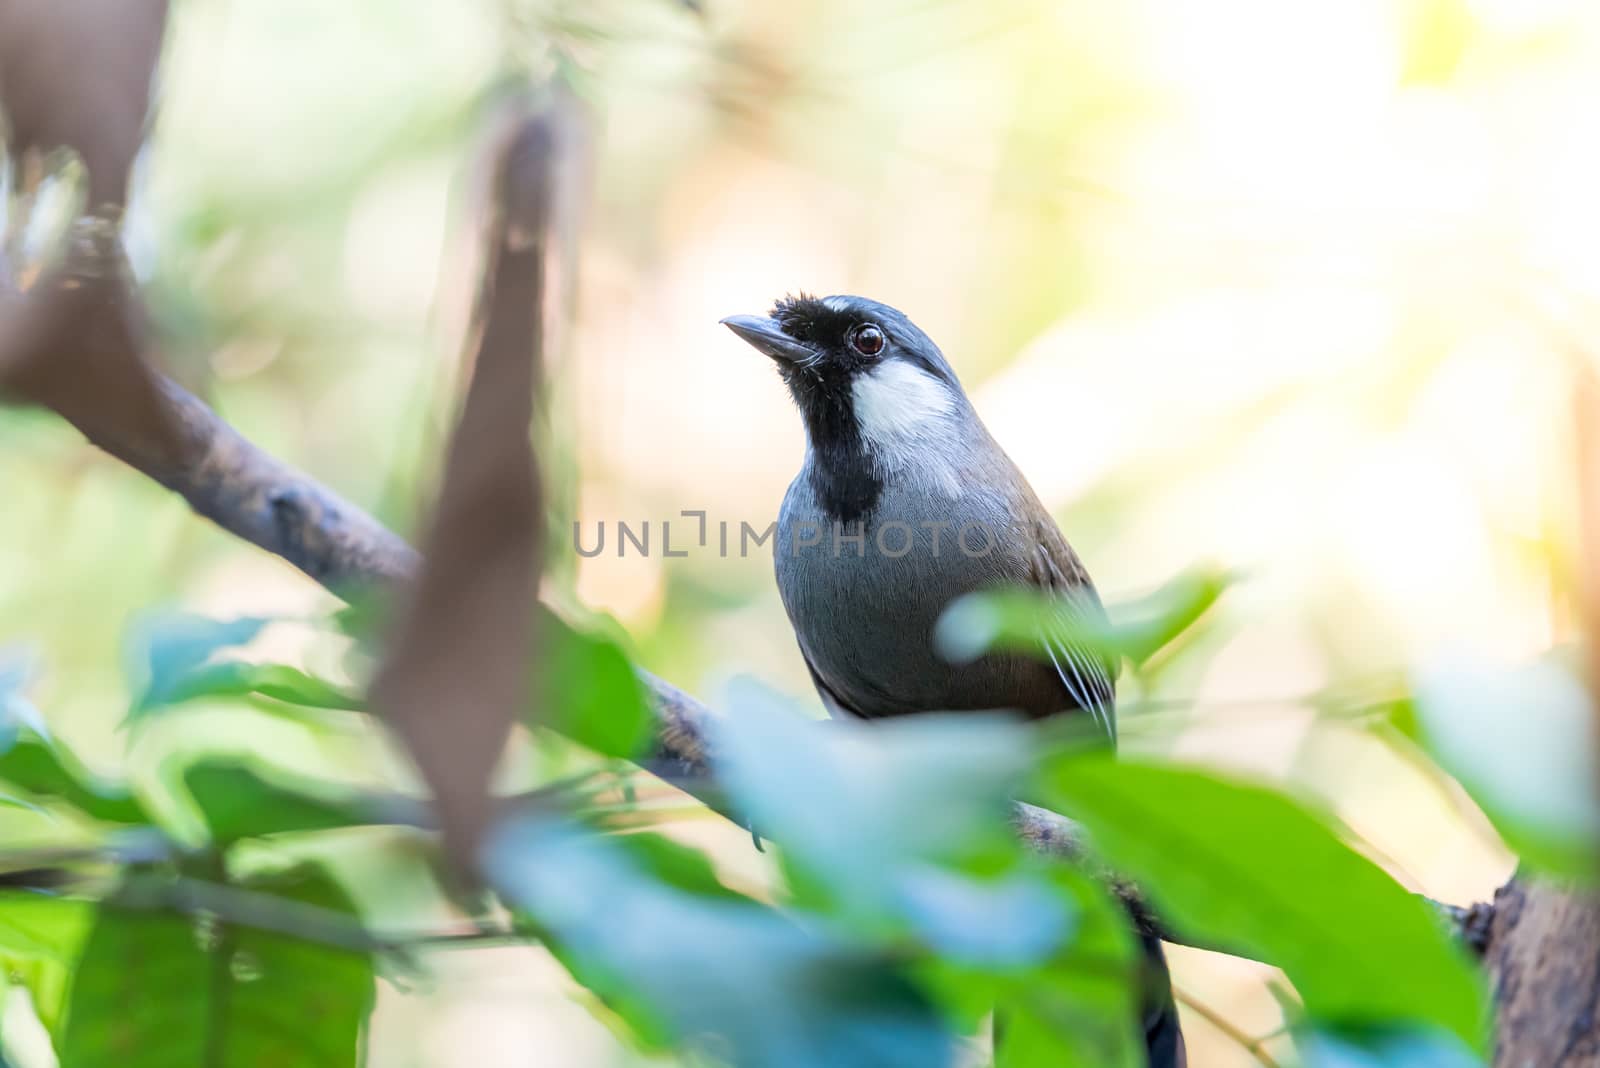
(905, 416)
(898, 400)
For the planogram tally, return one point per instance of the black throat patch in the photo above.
(842, 476)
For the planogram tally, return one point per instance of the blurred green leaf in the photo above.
(240, 800)
(1017, 618)
(729, 978)
(48, 983)
(40, 938)
(42, 925)
(901, 825)
(17, 669)
(1080, 1009)
(1521, 741)
(178, 657)
(155, 989)
(900, 830)
(40, 768)
(1384, 1048)
(168, 653)
(1242, 865)
(1143, 627)
(679, 866)
(586, 689)
(235, 678)
(1011, 921)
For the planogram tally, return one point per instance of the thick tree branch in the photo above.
(1544, 957)
(76, 342)
(229, 480)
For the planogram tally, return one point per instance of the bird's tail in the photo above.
(1158, 1010)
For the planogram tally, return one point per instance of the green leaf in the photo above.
(1386, 1048)
(239, 799)
(47, 982)
(1243, 866)
(169, 653)
(900, 825)
(236, 678)
(1143, 627)
(726, 977)
(17, 670)
(1080, 1009)
(1017, 618)
(177, 658)
(156, 989)
(41, 937)
(586, 689)
(1522, 742)
(42, 925)
(39, 768)
(677, 865)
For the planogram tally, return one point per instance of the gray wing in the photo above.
(1086, 675)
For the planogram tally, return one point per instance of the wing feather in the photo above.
(1087, 677)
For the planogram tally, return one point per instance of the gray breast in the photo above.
(864, 597)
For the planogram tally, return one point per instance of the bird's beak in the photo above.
(765, 335)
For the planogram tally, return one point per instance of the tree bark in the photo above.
(1544, 966)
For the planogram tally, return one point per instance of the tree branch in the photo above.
(263, 501)
(229, 480)
(77, 343)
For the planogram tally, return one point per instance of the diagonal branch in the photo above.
(352, 549)
(76, 342)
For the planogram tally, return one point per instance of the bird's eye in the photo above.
(867, 339)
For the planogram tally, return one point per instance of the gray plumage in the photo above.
(865, 599)
(869, 547)
(904, 503)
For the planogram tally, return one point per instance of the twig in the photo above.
(247, 908)
(242, 907)
(1256, 1047)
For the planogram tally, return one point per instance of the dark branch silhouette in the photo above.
(457, 672)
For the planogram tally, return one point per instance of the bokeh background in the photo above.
(1296, 289)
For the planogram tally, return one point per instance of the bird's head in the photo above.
(861, 373)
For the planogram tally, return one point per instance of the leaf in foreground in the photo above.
(1522, 742)
(728, 978)
(40, 939)
(1079, 1010)
(239, 800)
(1384, 1048)
(179, 657)
(158, 989)
(896, 824)
(1025, 619)
(1243, 866)
(587, 690)
(46, 770)
(169, 653)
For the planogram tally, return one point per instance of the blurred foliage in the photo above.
(906, 911)
(173, 989)
(1242, 280)
(1243, 867)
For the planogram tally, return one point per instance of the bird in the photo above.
(903, 504)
